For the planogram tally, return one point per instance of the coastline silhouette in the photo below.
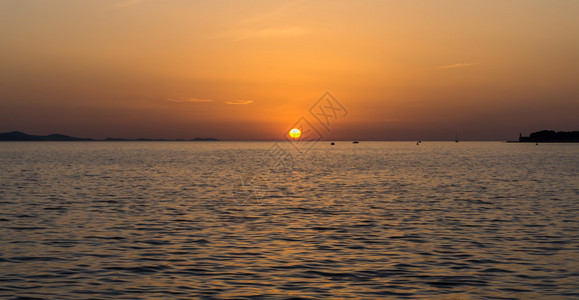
(550, 136)
(17, 136)
(544, 136)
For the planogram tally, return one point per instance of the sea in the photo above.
(282, 220)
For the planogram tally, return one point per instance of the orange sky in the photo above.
(405, 70)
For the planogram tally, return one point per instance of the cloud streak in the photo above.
(256, 27)
(194, 100)
(454, 66)
(238, 102)
(197, 100)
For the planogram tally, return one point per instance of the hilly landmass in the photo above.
(17, 136)
(550, 136)
(110, 139)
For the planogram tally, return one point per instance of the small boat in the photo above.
(355, 142)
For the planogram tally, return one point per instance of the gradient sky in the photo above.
(246, 70)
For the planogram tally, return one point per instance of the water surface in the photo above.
(180, 220)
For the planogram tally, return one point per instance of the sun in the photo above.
(295, 133)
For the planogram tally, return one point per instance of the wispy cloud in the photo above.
(454, 66)
(188, 100)
(260, 26)
(197, 100)
(239, 102)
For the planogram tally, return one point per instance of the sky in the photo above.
(249, 70)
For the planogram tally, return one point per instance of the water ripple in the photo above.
(379, 220)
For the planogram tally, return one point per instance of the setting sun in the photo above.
(295, 133)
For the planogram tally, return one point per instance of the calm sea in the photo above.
(260, 220)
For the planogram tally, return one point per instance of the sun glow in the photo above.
(295, 133)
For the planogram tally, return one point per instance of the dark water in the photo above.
(156, 220)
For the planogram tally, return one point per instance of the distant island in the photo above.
(109, 139)
(550, 136)
(17, 136)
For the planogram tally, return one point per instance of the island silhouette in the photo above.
(17, 136)
(550, 136)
